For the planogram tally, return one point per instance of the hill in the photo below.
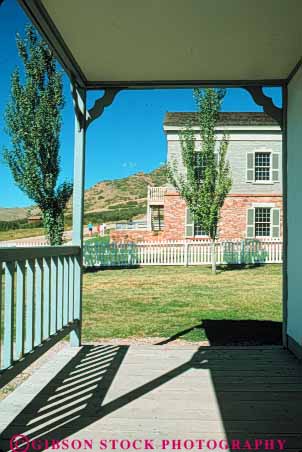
(110, 200)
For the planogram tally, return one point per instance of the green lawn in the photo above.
(163, 301)
(14, 234)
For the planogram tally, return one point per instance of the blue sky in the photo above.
(129, 136)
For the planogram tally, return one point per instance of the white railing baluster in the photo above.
(30, 295)
(8, 339)
(66, 291)
(60, 293)
(38, 302)
(46, 297)
(71, 289)
(54, 294)
(20, 314)
(1, 278)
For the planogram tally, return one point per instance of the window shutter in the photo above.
(250, 228)
(275, 167)
(275, 223)
(250, 167)
(189, 223)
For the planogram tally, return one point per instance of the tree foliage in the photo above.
(206, 180)
(33, 122)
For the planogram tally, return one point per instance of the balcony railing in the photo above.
(156, 195)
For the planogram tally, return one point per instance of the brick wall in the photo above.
(174, 217)
(234, 213)
(232, 224)
(135, 236)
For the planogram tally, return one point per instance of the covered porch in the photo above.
(176, 398)
(248, 392)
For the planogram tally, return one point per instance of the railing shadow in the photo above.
(241, 383)
(70, 401)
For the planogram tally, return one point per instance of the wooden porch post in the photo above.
(79, 95)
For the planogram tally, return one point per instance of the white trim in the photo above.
(234, 137)
(247, 128)
(263, 204)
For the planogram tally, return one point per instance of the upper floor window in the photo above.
(199, 166)
(262, 166)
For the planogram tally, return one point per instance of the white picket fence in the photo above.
(183, 253)
(26, 244)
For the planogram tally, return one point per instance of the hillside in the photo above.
(118, 199)
(13, 213)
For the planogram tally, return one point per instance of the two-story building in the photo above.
(252, 209)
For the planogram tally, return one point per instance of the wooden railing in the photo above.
(156, 194)
(36, 300)
(190, 252)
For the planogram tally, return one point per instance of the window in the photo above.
(198, 230)
(157, 218)
(199, 165)
(193, 229)
(262, 166)
(262, 221)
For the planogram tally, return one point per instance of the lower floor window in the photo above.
(262, 221)
(198, 231)
(157, 218)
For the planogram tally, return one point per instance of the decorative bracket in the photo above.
(100, 105)
(86, 117)
(266, 102)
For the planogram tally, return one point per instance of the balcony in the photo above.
(156, 195)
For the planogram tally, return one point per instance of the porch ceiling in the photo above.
(124, 42)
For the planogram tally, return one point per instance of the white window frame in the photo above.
(270, 222)
(199, 235)
(268, 205)
(264, 182)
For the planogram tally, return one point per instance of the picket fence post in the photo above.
(186, 254)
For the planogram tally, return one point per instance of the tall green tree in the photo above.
(206, 180)
(33, 122)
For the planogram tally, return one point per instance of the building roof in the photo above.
(183, 119)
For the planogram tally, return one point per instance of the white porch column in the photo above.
(78, 207)
(294, 214)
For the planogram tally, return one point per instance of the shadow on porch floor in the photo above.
(151, 392)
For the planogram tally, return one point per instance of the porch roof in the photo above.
(142, 44)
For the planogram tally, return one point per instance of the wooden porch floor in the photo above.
(160, 392)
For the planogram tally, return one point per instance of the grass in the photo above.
(98, 239)
(21, 233)
(162, 301)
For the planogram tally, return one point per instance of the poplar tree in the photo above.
(33, 122)
(206, 180)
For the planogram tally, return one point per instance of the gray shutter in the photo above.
(250, 226)
(189, 223)
(275, 223)
(250, 158)
(275, 167)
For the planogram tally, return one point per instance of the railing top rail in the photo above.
(23, 253)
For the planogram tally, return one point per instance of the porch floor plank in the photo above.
(160, 392)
